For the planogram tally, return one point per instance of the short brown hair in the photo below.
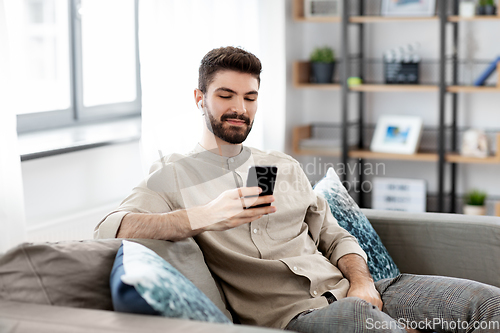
(227, 58)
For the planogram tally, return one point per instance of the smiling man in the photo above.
(287, 265)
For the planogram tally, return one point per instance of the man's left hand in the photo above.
(367, 292)
(361, 283)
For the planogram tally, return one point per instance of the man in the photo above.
(287, 265)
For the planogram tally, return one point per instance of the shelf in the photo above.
(382, 19)
(298, 15)
(394, 87)
(424, 157)
(474, 18)
(472, 89)
(319, 19)
(457, 158)
(301, 74)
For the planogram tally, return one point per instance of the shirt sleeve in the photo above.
(330, 238)
(141, 200)
(333, 241)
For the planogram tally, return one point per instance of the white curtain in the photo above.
(12, 219)
(174, 35)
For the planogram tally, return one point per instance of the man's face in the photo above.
(231, 104)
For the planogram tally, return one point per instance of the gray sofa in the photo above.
(427, 243)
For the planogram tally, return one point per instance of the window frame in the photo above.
(77, 113)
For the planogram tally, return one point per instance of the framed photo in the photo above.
(397, 134)
(407, 195)
(314, 8)
(408, 8)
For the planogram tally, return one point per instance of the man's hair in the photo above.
(227, 58)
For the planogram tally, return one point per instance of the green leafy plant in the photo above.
(475, 198)
(323, 54)
(486, 2)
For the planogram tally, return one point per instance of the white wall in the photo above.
(67, 195)
(477, 110)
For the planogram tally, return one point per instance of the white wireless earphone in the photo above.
(200, 107)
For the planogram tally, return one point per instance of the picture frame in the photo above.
(397, 134)
(322, 8)
(408, 8)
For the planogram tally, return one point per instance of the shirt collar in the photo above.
(214, 158)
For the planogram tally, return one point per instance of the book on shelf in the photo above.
(487, 72)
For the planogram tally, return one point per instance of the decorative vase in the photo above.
(474, 210)
(322, 72)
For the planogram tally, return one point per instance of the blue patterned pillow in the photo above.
(350, 217)
(143, 282)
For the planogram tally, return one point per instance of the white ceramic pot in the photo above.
(474, 210)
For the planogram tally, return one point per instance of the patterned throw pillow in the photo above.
(142, 282)
(350, 217)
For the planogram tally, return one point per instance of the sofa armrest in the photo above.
(452, 245)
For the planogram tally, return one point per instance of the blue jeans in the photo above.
(426, 303)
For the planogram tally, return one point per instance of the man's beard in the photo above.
(230, 134)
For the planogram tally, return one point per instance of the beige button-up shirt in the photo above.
(270, 269)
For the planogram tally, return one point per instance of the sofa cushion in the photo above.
(76, 273)
(350, 217)
(142, 282)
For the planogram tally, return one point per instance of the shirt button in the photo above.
(294, 268)
(255, 231)
(315, 293)
(231, 160)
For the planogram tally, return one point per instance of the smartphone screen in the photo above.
(263, 177)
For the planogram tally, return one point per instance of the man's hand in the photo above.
(361, 283)
(230, 210)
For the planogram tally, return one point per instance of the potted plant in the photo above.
(475, 203)
(486, 7)
(322, 65)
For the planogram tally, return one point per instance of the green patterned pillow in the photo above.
(350, 217)
(143, 282)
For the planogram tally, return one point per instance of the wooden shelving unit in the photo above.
(385, 19)
(394, 88)
(301, 74)
(347, 153)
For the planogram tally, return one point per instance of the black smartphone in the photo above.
(263, 177)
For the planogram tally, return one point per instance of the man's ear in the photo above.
(198, 96)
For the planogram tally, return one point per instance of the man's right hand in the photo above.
(225, 212)
(230, 209)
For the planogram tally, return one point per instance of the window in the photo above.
(75, 61)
